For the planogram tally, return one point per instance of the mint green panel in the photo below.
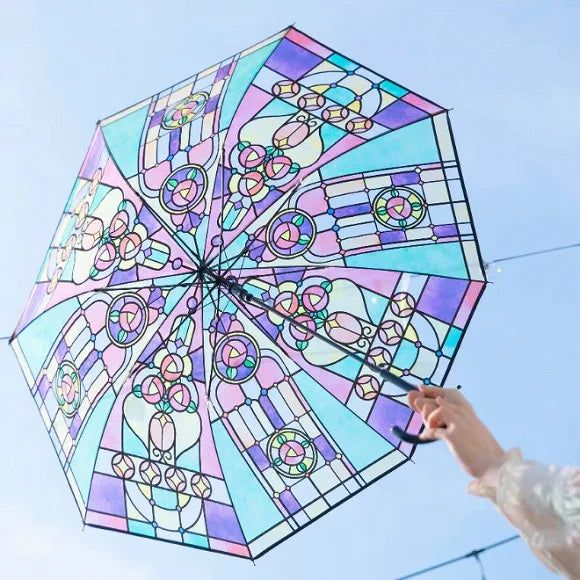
(342, 61)
(359, 442)
(244, 73)
(39, 336)
(195, 540)
(123, 137)
(85, 455)
(437, 259)
(411, 145)
(141, 528)
(132, 444)
(451, 342)
(254, 508)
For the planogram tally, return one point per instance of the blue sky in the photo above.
(509, 71)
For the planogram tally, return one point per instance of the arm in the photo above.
(542, 502)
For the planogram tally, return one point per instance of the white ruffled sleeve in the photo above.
(543, 503)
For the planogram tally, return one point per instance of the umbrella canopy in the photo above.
(238, 255)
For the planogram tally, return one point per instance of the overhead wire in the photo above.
(473, 554)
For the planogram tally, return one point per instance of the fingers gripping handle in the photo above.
(413, 439)
(396, 430)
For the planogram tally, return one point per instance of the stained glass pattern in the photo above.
(178, 410)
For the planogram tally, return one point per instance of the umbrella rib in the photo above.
(237, 290)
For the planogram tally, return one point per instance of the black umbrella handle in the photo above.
(407, 437)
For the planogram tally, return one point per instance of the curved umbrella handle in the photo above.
(407, 437)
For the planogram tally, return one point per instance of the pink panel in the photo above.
(308, 43)
(422, 104)
(106, 521)
(229, 547)
(469, 300)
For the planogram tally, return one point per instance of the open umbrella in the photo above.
(249, 265)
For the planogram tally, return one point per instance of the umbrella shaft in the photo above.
(237, 289)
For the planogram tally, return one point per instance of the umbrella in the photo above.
(249, 266)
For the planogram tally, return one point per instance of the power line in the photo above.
(473, 554)
(486, 265)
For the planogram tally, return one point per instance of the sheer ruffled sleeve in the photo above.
(543, 503)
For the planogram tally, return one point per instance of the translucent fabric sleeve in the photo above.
(543, 503)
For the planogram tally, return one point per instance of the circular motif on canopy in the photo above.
(150, 472)
(119, 224)
(399, 208)
(286, 89)
(236, 357)
(151, 389)
(185, 111)
(123, 466)
(183, 189)
(315, 298)
(402, 304)
(290, 233)
(105, 257)
(201, 485)
(367, 387)
(252, 156)
(68, 388)
(130, 246)
(391, 332)
(251, 184)
(343, 327)
(127, 318)
(291, 453)
(175, 479)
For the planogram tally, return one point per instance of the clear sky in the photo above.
(509, 70)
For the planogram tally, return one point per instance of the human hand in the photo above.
(447, 415)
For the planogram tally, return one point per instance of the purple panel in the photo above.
(398, 115)
(75, 426)
(222, 72)
(259, 457)
(264, 204)
(324, 448)
(387, 413)
(155, 299)
(211, 105)
(293, 275)
(222, 523)
(350, 210)
(405, 178)
(217, 189)
(123, 276)
(198, 372)
(150, 349)
(93, 156)
(61, 351)
(392, 237)
(43, 386)
(271, 329)
(445, 231)
(174, 138)
(289, 501)
(291, 60)
(441, 297)
(107, 495)
(157, 118)
(148, 220)
(256, 249)
(88, 363)
(271, 412)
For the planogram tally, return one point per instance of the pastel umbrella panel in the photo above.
(178, 410)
